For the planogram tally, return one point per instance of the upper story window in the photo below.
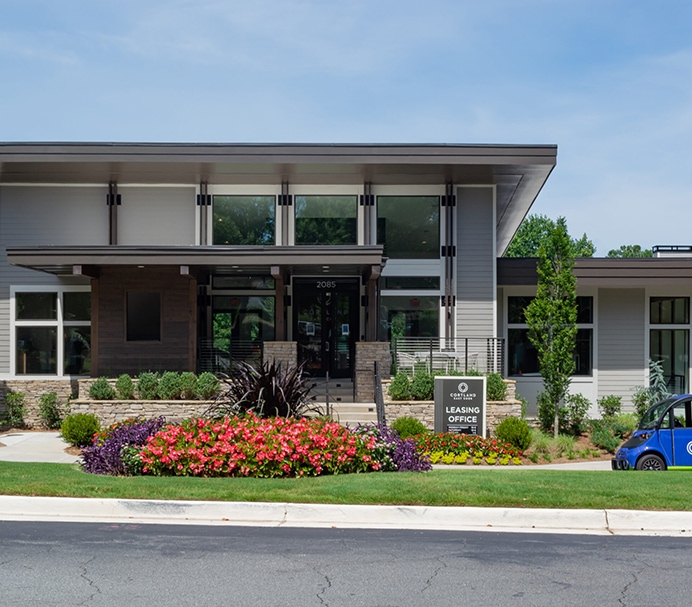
(52, 332)
(244, 220)
(669, 339)
(522, 355)
(669, 310)
(409, 226)
(326, 220)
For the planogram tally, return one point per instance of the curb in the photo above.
(266, 514)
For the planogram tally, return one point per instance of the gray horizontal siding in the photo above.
(475, 263)
(44, 216)
(622, 358)
(157, 216)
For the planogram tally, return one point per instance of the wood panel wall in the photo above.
(175, 351)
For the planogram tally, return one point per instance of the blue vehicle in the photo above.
(663, 439)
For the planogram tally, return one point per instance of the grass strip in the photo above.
(486, 487)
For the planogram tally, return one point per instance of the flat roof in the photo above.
(604, 271)
(517, 171)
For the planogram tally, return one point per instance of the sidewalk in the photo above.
(49, 447)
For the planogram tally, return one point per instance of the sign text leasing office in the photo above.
(460, 405)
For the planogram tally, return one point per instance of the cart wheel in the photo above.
(651, 462)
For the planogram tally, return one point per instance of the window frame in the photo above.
(59, 324)
(672, 328)
(582, 327)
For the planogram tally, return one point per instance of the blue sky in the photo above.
(608, 81)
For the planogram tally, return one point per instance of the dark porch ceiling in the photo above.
(228, 260)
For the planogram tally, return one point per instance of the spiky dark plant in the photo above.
(112, 451)
(267, 390)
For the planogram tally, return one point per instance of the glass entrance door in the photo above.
(325, 324)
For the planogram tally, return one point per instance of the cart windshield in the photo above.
(651, 418)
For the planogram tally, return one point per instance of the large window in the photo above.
(522, 355)
(410, 316)
(239, 321)
(409, 226)
(669, 339)
(326, 220)
(143, 316)
(52, 332)
(244, 220)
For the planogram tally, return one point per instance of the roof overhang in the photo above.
(604, 272)
(366, 261)
(517, 171)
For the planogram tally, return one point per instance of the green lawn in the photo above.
(503, 487)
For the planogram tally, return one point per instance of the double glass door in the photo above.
(325, 324)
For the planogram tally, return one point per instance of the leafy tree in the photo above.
(552, 315)
(630, 250)
(536, 230)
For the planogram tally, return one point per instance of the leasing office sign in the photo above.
(460, 405)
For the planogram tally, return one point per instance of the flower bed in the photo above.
(445, 448)
(249, 446)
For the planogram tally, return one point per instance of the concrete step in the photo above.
(339, 391)
(352, 414)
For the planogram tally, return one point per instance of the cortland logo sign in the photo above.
(462, 393)
(689, 447)
(460, 405)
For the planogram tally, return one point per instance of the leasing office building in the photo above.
(125, 257)
(128, 257)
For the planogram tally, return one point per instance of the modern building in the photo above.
(130, 257)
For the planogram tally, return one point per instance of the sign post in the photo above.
(460, 405)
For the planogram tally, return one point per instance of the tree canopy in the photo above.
(630, 250)
(536, 230)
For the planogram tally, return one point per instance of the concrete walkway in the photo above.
(49, 447)
(34, 447)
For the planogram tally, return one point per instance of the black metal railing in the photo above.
(221, 360)
(379, 397)
(439, 354)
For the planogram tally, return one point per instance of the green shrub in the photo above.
(400, 388)
(101, 390)
(125, 387)
(422, 386)
(49, 411)
(546, 413)
(577, 406)
(169, 386)
(16, 409)
(572, 415)
(605, 434)
(79, 429)
(610, 406)
(408, 426)
(148, 385)
(188, 385)
(495, 387)
(628, 422)
(642, 400)
(207, 385)
(514, 431)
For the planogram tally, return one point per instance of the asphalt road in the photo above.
(95, 564)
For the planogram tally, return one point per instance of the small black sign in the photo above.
(460, 405)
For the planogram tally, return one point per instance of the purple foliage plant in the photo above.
(115, 451)
(393, 452)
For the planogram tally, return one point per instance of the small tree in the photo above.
(552, 315)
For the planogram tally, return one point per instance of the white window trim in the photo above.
(59, 324)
